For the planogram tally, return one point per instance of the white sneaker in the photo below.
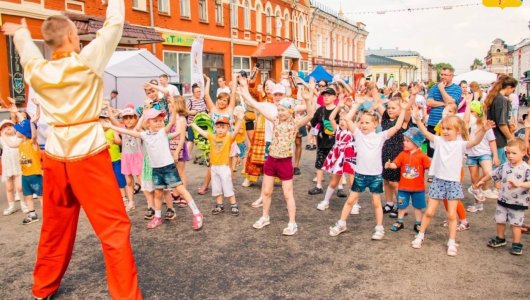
(452, 249)
(355, 210)
(257, 203)
(17, 197)
(477, 193)
(417, 243)
(24, 207)
(379, 233)
(491, 194)
(475, 208)
(10, 210)
(291, 229)
(35, 196)
(337, 229)
(323, 205)
(246, 183)
(315, 179)
(262, 222)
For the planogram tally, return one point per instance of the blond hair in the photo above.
(517, 143)
(458, 124)
(180, 106)
(54, 29)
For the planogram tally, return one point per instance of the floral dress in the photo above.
(341, 158)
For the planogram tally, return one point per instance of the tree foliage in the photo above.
(439, 67)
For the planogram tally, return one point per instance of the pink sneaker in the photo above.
(154, 223)
(197, 221)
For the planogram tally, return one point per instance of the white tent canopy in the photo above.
(480, 76)
(127, 71)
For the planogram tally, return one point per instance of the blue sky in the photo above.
(456, 36)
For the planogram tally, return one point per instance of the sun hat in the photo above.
(415, 136)
(24, 128)
(278, 89)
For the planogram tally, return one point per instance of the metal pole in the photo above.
(231, 41)
(152, 23)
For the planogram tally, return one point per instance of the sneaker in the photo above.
(337, 229)
(308, 147)
(17, 197)
(475, 208)
(30, 219)
(262, 222)
(451, 249)
(10, 210)
(257, 203)
(445, 224)
(379, 234)
(388, 208)
(342, 193)
(315, 191)
(417, 227)
(355, 210)
(291, 229)
(197, 221)
(517, 249)
(246, 183)
(154, 223)
(170, 214)
(417, 243)
(296, 171)
(315, 179)
(477, 193)
(462, 226)
(323, 205)
(496, 242)
(491, 194)
(149, 214)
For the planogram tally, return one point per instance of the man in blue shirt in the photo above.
(440, 95)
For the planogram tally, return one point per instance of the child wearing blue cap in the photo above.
(412, 163)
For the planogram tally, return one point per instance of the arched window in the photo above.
(258, 18)
(247, 15)
(269, 21)
(301, 29)
(286, 26)
(278, 24)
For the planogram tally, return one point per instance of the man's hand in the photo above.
(441, 86)
(11, 28)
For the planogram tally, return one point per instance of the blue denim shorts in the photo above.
(373, 182)
(189, 134)
(166, 177)
(418, 199)
(32, 184)
(443, 189)
(476, 160)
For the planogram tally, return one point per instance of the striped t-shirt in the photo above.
(435, 115)
(195, 104)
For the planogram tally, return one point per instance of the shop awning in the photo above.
(87, 27)
(277, 49)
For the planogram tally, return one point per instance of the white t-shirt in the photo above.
(157, 146)
(446, 163)
(225, 89)
(269, 126)
(173, 90)
(483, 147)
(369, 149)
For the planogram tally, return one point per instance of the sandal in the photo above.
(234, 210)
(397, 226)
(137, 188)
(179, 201)
(219, 208)
(202, 190)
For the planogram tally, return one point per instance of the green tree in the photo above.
(439, 67)
(477, 64)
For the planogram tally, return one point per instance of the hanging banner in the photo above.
(196, 63)
(16, 80)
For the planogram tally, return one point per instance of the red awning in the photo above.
(277, 49)
(87, 27)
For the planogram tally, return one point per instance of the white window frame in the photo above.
(278, 24)
(161, 4)
(234, 14)
(304, 67)
(246, 15)
(326, 48)
(204, 10)
(339, 50)
(319, 44)
(240, 58)
(177, 60)
(286, 64)
(219, 13)
(268, 15)
(259, 20)
(286, 26)
(301, 29)
(185, 8)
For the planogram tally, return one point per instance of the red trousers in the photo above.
(90, 184)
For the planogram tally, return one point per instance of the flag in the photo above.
(380, 82)
(196, 63)
(390, 81)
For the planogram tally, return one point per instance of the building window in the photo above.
(339, 52)
(278, 24)
(350, 52)
(247, 15)
(345, 51)
(301, 29)
(286, 26)
(241, 63)
(219, 11)
(185, 8)
(326, 48)
(269, 21)
(286, 64)
(233, 16)
(203, 11)
(139, 4)
(180, 62)
(163, 6)
(319, 44)
(258, 18)
(334, 49)
(304, 67)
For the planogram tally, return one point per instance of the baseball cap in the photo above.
(24, 128)
(329, 91)
(278, 89)
(128, 112)
(5, 122)
(153, 113)
(222, 120)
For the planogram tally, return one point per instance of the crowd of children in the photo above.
(364, 140)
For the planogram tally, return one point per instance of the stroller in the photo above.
(204, 121)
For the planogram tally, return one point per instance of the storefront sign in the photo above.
(177, 39)
(16, 82)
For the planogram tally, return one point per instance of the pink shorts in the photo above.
(279, 167)
(132, 163)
